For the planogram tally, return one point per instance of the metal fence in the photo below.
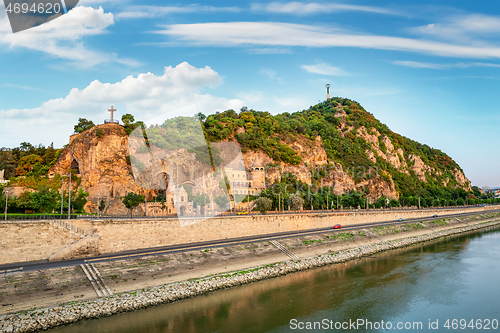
(38, 217)
(286, 212)
(70, 227)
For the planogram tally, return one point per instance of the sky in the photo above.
(429, 70)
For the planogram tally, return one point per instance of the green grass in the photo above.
(344, 236)
(439, 222)
(412, 226)
(312, 241)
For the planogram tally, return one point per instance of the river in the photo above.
(453, 279)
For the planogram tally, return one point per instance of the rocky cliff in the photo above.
(99, 156)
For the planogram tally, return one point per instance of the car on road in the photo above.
(400, 219)
(435, 215)
(243, 213)
(337, 226)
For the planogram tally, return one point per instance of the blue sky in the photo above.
(430, 71)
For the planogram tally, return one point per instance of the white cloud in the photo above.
(416, 64)
(145, 96)
(250, 97)
(272, 75)
(62, 37)
(144, 11)
(302, 8)
(324, 69)
(98, 2)
(465, 28)
(286, 34)
(296, 103)
(269, 50)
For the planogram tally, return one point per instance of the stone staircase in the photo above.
(284, 249)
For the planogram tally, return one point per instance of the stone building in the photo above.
(246, 182)
(2, 180)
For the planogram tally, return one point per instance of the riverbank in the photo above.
(71, 312)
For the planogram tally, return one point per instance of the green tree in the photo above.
(128, 119)
(393, 203)
(44, 199)
(83, 125)
(200, 116)
(130, 124)
(28, 163)
(295, 201)
(102, 205)
(263, 204)
(201, 199)
(132, 200)
(24, 201)
(80, 199)
(222, 201)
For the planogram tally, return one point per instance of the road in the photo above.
(44, 264)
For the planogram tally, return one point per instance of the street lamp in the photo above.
(6, 200)
(69, 199)
(62, 199)
(98, 206)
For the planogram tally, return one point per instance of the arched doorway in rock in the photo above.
(75, 167)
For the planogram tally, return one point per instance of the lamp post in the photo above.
(69, 199)
(6, 200)
(62, 199)
(98, 206)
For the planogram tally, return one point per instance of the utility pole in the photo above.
(62, 199)
(69, 200)
(326, 200)
(98, 206)
(6, 200)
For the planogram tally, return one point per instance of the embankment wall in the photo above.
(27, 241)
(122, 235)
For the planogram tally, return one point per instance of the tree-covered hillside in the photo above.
(271, 133)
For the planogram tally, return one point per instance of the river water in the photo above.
(456, 278)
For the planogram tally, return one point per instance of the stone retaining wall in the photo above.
(122, 235)
(27, 241)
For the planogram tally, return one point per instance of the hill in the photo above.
(354, 141)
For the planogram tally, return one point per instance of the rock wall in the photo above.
(100, 155)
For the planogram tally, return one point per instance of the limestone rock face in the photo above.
(99, 155)
(314, 159)
(461, 179)
(391, 155)
(419, 167)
